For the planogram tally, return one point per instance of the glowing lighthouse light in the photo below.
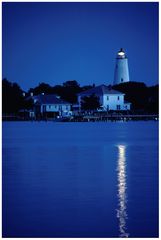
(121, 53)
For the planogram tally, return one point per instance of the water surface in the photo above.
(80, 179)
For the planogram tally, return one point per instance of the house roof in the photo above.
(100, 90)
(48, 99)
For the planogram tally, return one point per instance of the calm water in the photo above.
(80, 179)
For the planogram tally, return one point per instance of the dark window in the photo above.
(118, 98)
(107, 97)
(122, 79)
(118, 107)
(107, 107)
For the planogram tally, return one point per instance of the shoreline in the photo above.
(88, 118)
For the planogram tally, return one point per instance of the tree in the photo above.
(70, 90)
(84, 88)
(135, 92)
(90, 102)
(28, 104)
(153, 99)
(71, 83)
(12, 98)
(41, 88)
(142, 97)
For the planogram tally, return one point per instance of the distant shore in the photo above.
(89, 118)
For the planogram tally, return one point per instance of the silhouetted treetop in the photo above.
(141, 96)
(71, 83)
(12, 98)
(90, 102)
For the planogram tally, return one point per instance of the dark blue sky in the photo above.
(56, 42)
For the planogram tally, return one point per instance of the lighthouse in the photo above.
(121, 69)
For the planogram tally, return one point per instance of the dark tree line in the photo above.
(142, 97)
(68, 91)
(90, 102)
(13, 99)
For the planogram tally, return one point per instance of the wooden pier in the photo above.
(129, 117)
(90, 118)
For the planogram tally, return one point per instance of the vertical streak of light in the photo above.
(122, 196)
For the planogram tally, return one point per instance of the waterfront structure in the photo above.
(109, 98)
(121, 74)
(50, 106)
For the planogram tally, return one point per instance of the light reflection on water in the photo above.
(122, 196)
(60, 180)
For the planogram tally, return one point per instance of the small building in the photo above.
(109, 98)
(75, 109)
(50, 106)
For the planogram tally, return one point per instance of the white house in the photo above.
(109, 99)
(50, 106)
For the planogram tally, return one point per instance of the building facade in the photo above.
(50, 106)
(109, 99)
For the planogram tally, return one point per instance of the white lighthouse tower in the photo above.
(121, 68)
